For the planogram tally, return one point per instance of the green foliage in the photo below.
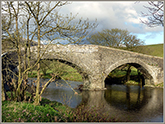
(61, 69)
(120, 73)
(115, 38)
(132, 82)
(161, 85)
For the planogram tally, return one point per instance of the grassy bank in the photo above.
(48, 111)
(71, 74)
(26, 112)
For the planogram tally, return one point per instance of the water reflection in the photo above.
(126, 97)
(125, 103)
(62, 93)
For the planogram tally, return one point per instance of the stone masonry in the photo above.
(95, 62)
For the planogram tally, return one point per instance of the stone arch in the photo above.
(81, 70)
(142, 66)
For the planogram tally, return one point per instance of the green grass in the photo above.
(131, 82)
(71, 74)
(154, 50)
(49, 111)
(121, 73)
(27, 112)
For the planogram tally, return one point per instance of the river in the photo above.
(124, 102)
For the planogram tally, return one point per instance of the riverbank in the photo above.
(161, 85)
(72, 75)
(47, 111)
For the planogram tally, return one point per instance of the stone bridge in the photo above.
(94, 62)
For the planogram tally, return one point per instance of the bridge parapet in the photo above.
(68, 48)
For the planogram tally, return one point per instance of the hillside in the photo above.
(154, 50)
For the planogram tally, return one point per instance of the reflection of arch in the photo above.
(146, 106)
(125, 99)
(143, 67)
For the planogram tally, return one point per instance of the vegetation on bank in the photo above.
(49, 111)
(161, 85)
(25, 112)
(132, 82)
(64, 71)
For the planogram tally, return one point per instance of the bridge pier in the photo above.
(148, 82)
(94, 82)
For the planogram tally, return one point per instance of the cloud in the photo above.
(123, 15)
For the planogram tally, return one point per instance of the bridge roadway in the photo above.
(95, 62)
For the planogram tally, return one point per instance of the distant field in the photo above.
(154, 50)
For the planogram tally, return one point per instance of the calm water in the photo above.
(125, 103)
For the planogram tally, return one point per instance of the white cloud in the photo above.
(118, 12)
(122, 15)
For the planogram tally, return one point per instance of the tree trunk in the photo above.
(128, 73)
(4, 95)
(37, 97)
(19, 60)
(139, 79)
(28, 41)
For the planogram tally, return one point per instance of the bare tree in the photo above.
(12, 9)
(155, 15)
(55, 25)
(42, 21)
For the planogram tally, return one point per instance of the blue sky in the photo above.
(150, 38)
(122, 15)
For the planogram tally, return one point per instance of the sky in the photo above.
(123, 15)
